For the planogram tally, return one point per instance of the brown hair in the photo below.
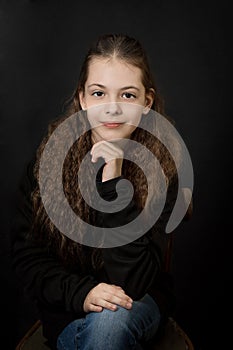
(128, 49)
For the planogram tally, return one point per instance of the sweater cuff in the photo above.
(107, 189)
(79, 297)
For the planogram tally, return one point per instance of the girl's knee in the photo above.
(109, 326)
(108, 318)
(111, 322)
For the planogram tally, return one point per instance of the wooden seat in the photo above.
(173, 338)
(33, 339)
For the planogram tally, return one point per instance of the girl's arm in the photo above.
(136, 265)
(40, 271)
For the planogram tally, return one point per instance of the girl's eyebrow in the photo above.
(94, 84)
(130, 87)
(123, 88)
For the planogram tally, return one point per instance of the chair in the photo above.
(172, 338)
(33, 339)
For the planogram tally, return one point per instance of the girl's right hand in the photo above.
(113, 156)
(106, 296)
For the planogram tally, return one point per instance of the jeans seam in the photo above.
(79, 329)
(62, 343)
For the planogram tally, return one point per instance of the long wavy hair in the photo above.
(70, 252)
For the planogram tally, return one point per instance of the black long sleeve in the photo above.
(42, 274)
(135, 265)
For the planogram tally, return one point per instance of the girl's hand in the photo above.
(113, 157)
(106, 296)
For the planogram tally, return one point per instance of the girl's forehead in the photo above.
(106, 68)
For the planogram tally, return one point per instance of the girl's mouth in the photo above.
(112, 125)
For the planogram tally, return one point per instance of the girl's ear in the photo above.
(149, 101)
(82, 100)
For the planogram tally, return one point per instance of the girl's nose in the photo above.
(113, 108)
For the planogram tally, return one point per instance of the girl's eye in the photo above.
(128, 95)
(97, 93)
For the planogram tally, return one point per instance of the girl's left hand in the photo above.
(113, 157)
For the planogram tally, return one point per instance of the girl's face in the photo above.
(114, 98)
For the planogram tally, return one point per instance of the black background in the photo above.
(42, 44)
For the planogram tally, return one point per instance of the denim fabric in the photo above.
(113, 330)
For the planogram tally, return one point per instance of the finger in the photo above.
(95, 308)
(106, 154)
(103, 302)
(108, 305)
(124, 301)
(109, 296)
(107, 144)
(108, 147)
(114, 289)
(118, 287)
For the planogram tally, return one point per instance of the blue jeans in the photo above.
(113, 330)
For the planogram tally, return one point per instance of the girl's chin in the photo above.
(111, 133)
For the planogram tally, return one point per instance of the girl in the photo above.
(93, 296)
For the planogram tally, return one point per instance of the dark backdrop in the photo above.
(42, 46)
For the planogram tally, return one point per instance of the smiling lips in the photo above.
(112, 125)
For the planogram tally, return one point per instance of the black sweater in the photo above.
(59, 292)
